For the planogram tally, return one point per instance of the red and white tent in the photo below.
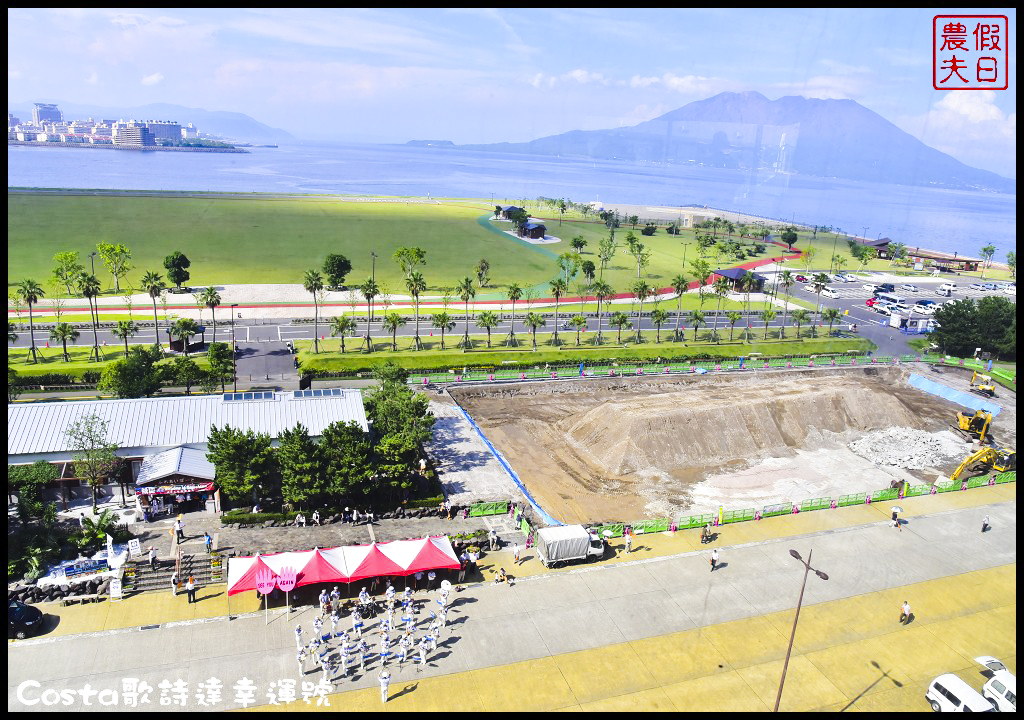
(346, 564)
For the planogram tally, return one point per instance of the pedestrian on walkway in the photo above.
(515, 556)
(190, 588)
(714, 559)
(209, 542)
(179, 527)
(493, 537)
(905, 613)
(462, 571)
(431, 576)
(298, 636)
(472, 557)
(152, 557)
(174, 584)
(984, 524)
(384, 678)
(629, 539)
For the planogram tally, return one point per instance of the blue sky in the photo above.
(482, 75)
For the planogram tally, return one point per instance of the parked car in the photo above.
(22, 620)
(978, 286)
(948, 693)
(909, 287)
(882, 310)
(801, 278)
(871, 301)
(1011, 290)
(947, 287)
(924, 309)
(847, 277)
(870, 287)
(990, 286)
(829, 293)
(1001, 688)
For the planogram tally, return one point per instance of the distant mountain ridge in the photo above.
(229, 125)
(823, 138)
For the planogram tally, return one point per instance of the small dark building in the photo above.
(508, 211)
(734, 275)
(534, 231)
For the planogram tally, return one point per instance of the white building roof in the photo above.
(38, 431)
(176, 461)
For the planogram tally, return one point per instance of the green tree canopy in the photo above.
(177, 268)
(336, 267)
(246, 468)
(93, 454)
(134, 375)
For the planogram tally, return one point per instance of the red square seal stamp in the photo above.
(970, 52)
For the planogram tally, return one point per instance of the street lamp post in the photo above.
(92, 260)
(864, 232)
(823, 576)
(234, 352)
(373, 277)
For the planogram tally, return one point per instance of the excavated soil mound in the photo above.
(622, 448)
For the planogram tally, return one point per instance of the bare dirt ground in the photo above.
(622, 449)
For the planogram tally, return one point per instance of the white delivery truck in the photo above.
(565, 543)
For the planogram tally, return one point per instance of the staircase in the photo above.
(206, 569)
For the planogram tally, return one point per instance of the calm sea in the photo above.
(947, 220)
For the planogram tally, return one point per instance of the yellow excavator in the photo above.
(982, 384)
(973, 426)
(986, 459)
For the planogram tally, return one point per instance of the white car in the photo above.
(870, 287)
(947, 287)
(908, 287)
(924, 309)
(1010, 289)
(829, 293)
(948, 693)
(882, 310)
(1001, 688)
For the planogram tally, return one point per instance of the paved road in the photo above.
(590, 609)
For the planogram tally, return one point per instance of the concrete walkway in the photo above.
(650, 630)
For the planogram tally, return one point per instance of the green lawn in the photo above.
(51, 359)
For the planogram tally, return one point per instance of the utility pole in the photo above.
(823, 576)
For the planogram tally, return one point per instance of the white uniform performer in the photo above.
(385, 649)
(384, 678)
(344, 659)
(357, 623)
(318, 625)
(364, 650)
(424, 642)
(301, 660)
(336, 598)
(334, 625)
(298, 637)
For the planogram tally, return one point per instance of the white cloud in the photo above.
(152, 79)
(685, 84)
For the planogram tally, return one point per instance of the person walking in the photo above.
(515, 556)
(190, 588)
(152, 557)
(905, 613)
(629, 540)
(984, 524)
(298, 636)
(462, 572)
(344, 659)
(364, 650)
(714, 559)
(174, 584)
(180, 529)
(300, 658)
(357, 623)
(431, 576)
(209, 542)
(417, 579)
(492, 536)
(334, 624)
(318, 625)
(384, 678)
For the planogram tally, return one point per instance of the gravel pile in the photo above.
(908, 448)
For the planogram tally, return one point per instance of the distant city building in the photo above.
(12, 121)
(189, 132)
(43, 113)
(164, 129)
(132, 135)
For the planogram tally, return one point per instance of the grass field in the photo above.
(51, 360)
(234, 240)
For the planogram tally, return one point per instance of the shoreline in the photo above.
(111, 146)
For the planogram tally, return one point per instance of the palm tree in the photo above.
(184, 329)
(30, 291)
(578, 323)
(153, 284)
(487, 320)
(11, 335)
(534, 321)
(679, 285)
(370, 289)
(415, 284)
(342, 325)
(619, 320)
(124, 330)
(514, 294)
(61, 333)
(558, 287)
(211, 299)
(444, 322)
(767, 315)
(89, 286)
(602, 291)
(313, 283)
(748, 282)
(820, 281)
(641, 291)
(800, 317)
(733, 317)
(721, 286)
(696, 319)
(393, 321)
(831, 315)
(787, 281)
(986, 254)
(658, 318)
(466, 293)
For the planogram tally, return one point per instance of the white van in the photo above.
(892, 301)
(948, 693)
(947, 288)
(1001, 688)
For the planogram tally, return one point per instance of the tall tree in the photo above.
(185, 373)
(61, 333)
(658, 318)
(410, 258)
(696, 319)
(393, 321)
(443, 322)
(786, 281)
(619, 320)
(30, 291)
(153, 284)
(336, 267)
(820, 282)
(66, 269)
(789, 237)
(342, 325)
(488, 320)
(733, 317)
(313, 283)
(299, 459)
(680, 284)
(641, 291)
(534, 321)
(1011, 262)
(184, 329)
(222, 363)
(177, 266)
(370, 289)
(578, 243)
(92, 453)
(346, 458)
(558, 287)
(124, 330)
(466, 293)
(515, 293)
(748, 282)
(986, 254)
(245, 463)
(133, 376)
(578, 323)
(483, 270)
(831, 316)
(602, 291)
(800, 318)
(211, 299)
(722, 287)
(767, 315)
(606, 251)
(117, 258)
(416, 285)
(89, 286)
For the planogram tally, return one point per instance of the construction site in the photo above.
(614, 449)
